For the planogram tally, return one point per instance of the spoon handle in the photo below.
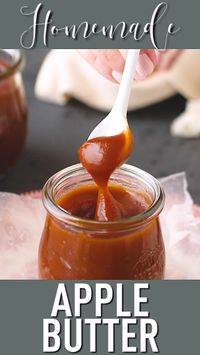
(121, 103)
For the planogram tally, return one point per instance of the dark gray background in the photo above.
(183, 13)
(55, 133)
(173, 304)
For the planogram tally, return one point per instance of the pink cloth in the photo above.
(22, 219)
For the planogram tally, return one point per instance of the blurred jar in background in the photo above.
(13, 109)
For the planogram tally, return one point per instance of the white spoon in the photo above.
(116, 121)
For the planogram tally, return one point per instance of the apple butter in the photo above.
(77, 244)
(102, 221)
(13, 111)
(101, 156)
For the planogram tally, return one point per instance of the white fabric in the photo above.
(64, 74)
(188, 123)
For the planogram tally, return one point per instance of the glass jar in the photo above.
(13, 109)
(77, 248)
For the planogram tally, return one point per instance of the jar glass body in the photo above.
(13, 108)
(75, 248)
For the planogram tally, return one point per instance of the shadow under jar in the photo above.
(13, 108)
(72, 247)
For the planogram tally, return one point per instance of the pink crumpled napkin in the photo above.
(22, 220)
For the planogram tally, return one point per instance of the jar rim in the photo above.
(61, 214)
(17, 64)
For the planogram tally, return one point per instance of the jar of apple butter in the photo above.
(13, 109)
(75, 246)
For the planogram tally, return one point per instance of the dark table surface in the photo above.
(55, 133)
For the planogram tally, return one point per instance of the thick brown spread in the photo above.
(101, 156)
(12, 119)
(85, 252)
(82, 201)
